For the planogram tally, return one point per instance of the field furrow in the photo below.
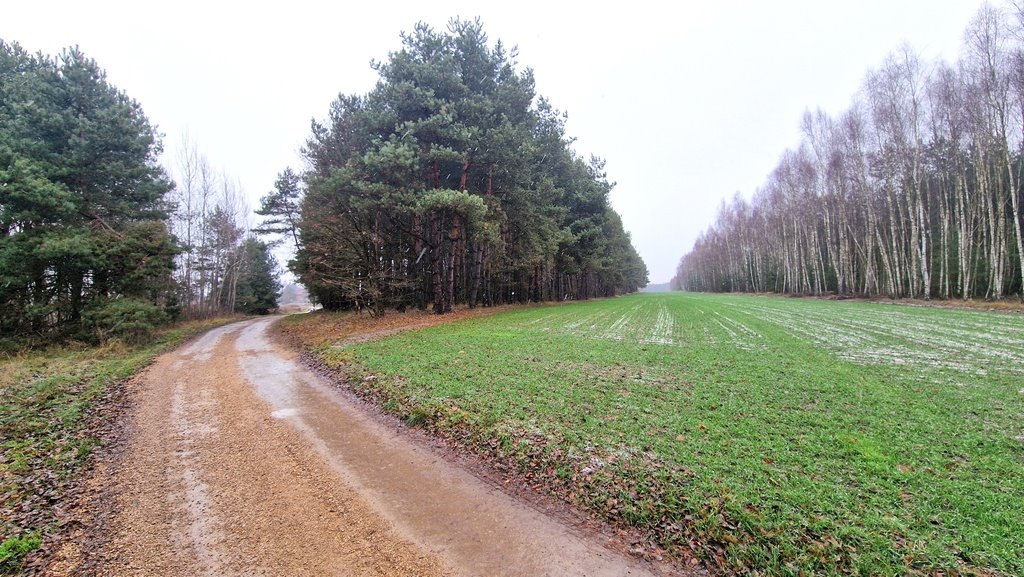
(915, 337)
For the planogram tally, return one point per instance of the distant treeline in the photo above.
(450, 183)
(915, 191)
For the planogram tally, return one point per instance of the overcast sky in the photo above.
(689, 102)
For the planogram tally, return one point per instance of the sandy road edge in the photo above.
(84, 511)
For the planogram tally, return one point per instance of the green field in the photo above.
(756, 433)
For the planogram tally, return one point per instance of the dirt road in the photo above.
(241, 462)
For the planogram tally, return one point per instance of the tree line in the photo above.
(914, 191)
(86, 212)
(451, 182)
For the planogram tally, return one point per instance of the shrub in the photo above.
(130, 320)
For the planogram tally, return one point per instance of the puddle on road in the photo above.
(284, 413)
(274, 377)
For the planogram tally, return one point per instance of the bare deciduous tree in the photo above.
(915, 191)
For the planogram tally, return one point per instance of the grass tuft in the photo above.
(14, 549)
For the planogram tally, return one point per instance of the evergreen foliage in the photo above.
(82, 211)
(258, 285)
(452, 182)
(281, 207)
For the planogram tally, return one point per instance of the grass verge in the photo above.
(752, 434)
(52, 403)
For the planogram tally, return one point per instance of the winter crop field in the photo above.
(746, 433)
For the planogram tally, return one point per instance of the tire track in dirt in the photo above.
(213, 485)
(241, 462)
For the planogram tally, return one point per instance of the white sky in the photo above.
(688, 102)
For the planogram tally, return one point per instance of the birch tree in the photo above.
(915, 191)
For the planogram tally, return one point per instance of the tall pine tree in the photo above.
(84, 250)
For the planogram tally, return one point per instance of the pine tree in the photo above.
(281, 208)
(258, 284)
(81, 201)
